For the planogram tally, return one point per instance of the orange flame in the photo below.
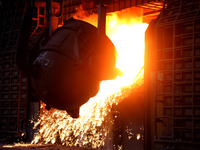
(127, 34)
(126, 30)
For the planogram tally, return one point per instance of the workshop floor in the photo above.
(39, 147)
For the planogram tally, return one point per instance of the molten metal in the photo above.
(92, 127)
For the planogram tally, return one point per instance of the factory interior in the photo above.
(100, 74)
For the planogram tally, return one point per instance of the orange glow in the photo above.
(128, 37)
(126, 30)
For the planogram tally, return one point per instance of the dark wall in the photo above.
(13, 86)
(172, 70)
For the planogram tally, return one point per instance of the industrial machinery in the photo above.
(70, 64)
(171, 71)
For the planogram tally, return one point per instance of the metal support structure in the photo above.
(101, 18)
(148, 78)
(49, 15)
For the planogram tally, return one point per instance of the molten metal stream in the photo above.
(92, 128)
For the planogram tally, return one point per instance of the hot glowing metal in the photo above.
(91, 129)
